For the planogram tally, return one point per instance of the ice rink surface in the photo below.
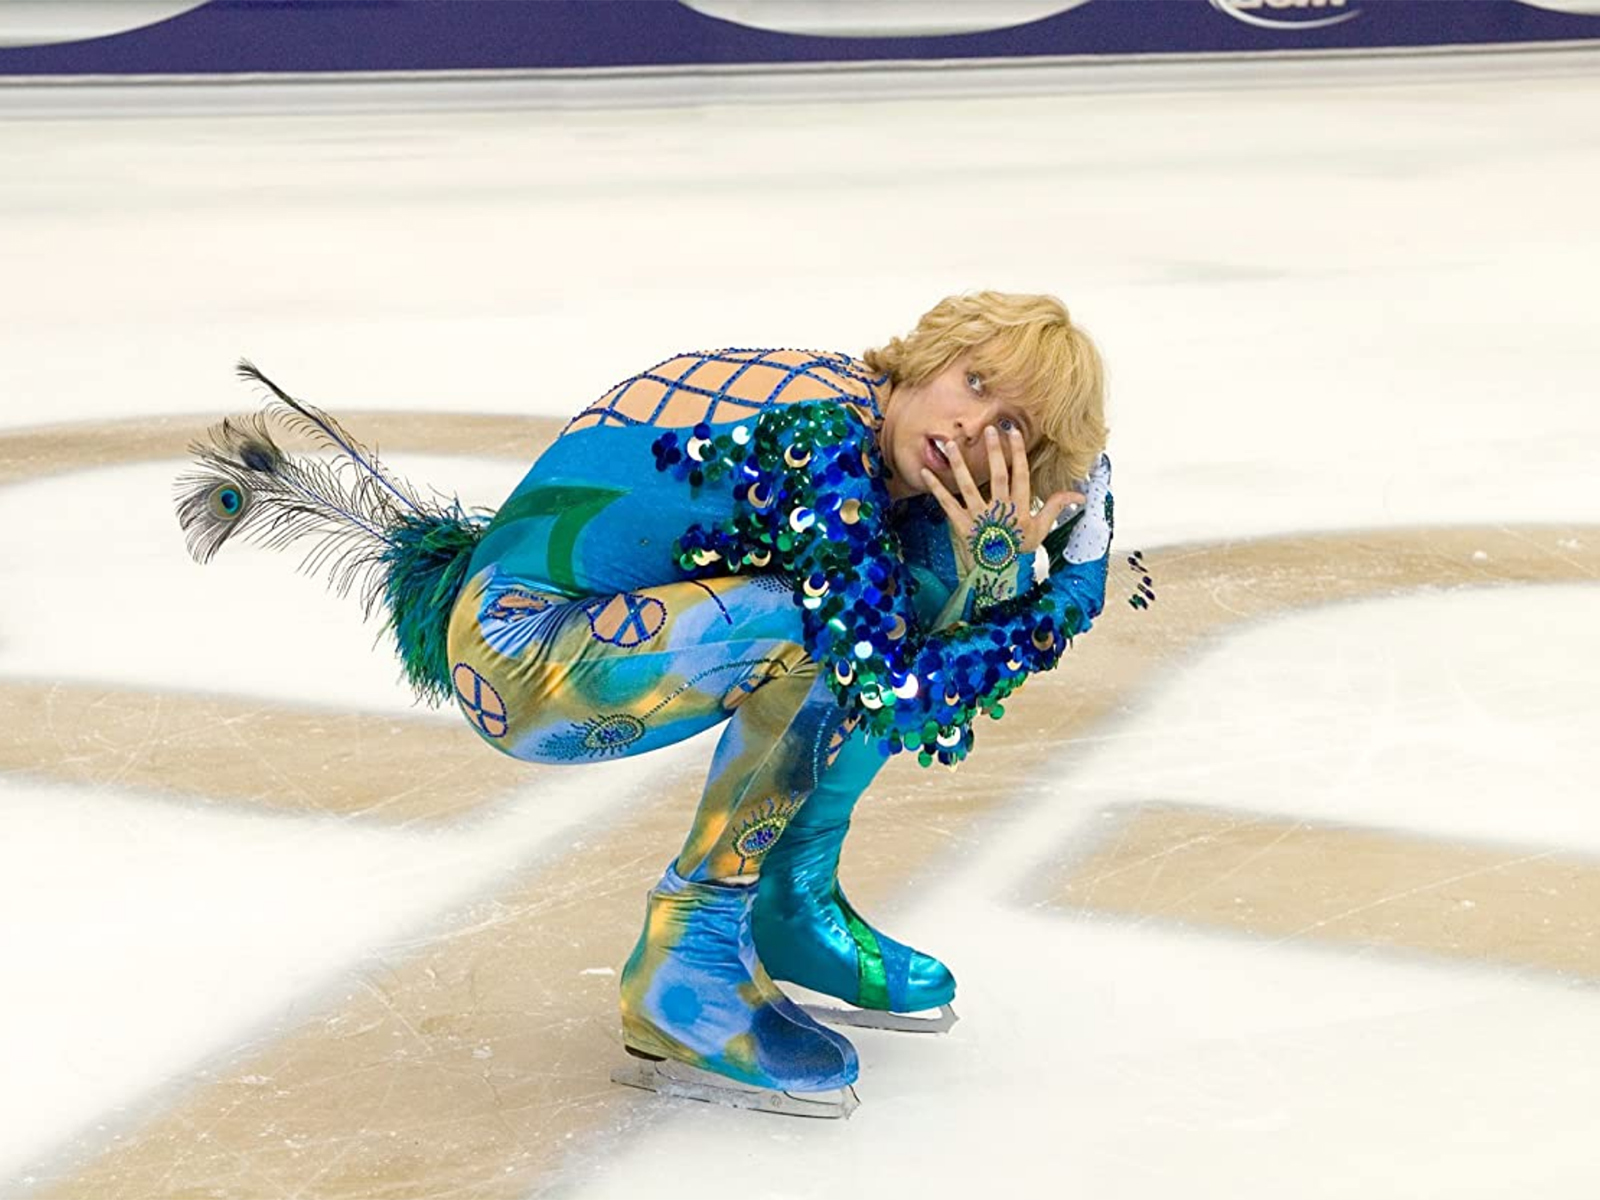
(1290, 886)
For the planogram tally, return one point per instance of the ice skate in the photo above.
(806, 931)
(670, 1078)
(703, 1020)
(939, 1020)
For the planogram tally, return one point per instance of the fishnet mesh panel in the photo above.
(713, 386)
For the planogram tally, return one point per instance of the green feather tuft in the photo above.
(424, 568)
(369, 529)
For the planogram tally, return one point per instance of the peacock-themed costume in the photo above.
(711, 542)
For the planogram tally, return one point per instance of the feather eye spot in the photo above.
(256, 457)
(227, 502)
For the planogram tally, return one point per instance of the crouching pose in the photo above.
(831, 557)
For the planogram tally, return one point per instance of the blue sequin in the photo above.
(864, 626)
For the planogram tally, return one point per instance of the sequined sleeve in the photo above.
(810, 500)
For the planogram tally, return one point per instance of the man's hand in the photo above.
(996, 530)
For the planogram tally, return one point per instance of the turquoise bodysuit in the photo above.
(785, 496)
(713, 543)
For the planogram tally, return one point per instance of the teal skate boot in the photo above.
(705, 1020)
(806, 932)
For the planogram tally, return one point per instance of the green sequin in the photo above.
(808, 490)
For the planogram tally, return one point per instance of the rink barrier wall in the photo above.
(342, 37)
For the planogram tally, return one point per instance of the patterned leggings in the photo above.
(548, 678)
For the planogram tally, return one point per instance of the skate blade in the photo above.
(871, 1018)
(677, 1079)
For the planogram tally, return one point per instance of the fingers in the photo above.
(1055, 506)
(969, 488)
(960, 519)
(999, 476)
(1021, 481)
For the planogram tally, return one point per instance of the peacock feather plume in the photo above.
(366, 529)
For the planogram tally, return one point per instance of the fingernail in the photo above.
(991, 434)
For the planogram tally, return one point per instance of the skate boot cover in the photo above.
(694, 992)
(806, 932)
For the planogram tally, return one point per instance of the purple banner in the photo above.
(278, 36)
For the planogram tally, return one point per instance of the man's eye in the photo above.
(975, 382)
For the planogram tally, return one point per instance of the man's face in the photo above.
(953, 407)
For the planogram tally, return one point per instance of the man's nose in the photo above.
(970, 425)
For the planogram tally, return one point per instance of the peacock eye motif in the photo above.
(808, 505)
(996, 539)
(258, 457)
(227, 502)
(758, 839)
(611, 734)
(760, 832)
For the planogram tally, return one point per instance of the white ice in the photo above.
(1123, 1058)
(1328, 302)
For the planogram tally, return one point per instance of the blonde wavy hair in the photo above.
(1026, 347)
